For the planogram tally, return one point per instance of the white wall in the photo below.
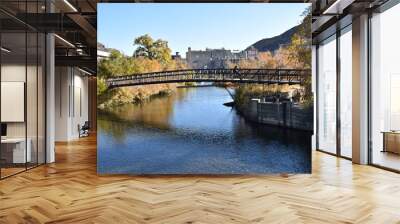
(33, 126)
(62, 82)
(71, 94)
(80, 110)
(14, 72)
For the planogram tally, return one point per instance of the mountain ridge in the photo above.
(273, 43)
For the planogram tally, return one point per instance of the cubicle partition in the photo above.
(22, 77)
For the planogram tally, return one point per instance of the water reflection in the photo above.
(192, 132)
(147, 114)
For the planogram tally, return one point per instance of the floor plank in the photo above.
(70, 191)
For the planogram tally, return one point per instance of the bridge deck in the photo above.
(269, 76)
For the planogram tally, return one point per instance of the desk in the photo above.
(18, 149)
(391, 141)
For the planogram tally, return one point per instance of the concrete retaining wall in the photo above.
(285, 114)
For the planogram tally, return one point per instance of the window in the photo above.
(385, 89)
(327, 95)
(346, 92)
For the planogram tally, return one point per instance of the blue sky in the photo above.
(232, 26)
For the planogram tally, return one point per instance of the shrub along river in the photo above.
(192, 132)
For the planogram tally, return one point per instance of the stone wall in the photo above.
(285, 114)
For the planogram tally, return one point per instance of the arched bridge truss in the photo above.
(260, 76)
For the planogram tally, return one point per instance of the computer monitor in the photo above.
(3, 129)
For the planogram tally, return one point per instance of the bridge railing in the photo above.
(291, 76)
(213, 71)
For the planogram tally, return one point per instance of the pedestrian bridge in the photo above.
(260, 76)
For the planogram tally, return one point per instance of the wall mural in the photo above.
(204, 89)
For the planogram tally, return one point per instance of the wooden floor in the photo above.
(387, 159)
(69, 191)
(5, 172)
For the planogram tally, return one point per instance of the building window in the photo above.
(346, 92)
(327, 95)
(385, 89)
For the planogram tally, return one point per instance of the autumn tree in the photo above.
(116, 64)
(300, 46)
(300, 49)
(267, 59)
(149, 56)
(152, 49)
(296, 54)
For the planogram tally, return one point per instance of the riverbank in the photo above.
(141, 94)
(283, 114)
(133, 95)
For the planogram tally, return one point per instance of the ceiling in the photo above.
(75, 22)
(332, 15)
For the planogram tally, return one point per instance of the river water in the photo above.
(192, 132)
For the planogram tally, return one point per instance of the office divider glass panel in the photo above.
(41, 98)
(32, 86)
(13, 108)
(385, 89)
(346, 92)
(22, 77)
(31, 97)
(327, 95)
(2, 161)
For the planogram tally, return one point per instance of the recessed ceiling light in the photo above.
(86, 72)
(70, 5)
(5, 50)
(337, 7)
(64, 40)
